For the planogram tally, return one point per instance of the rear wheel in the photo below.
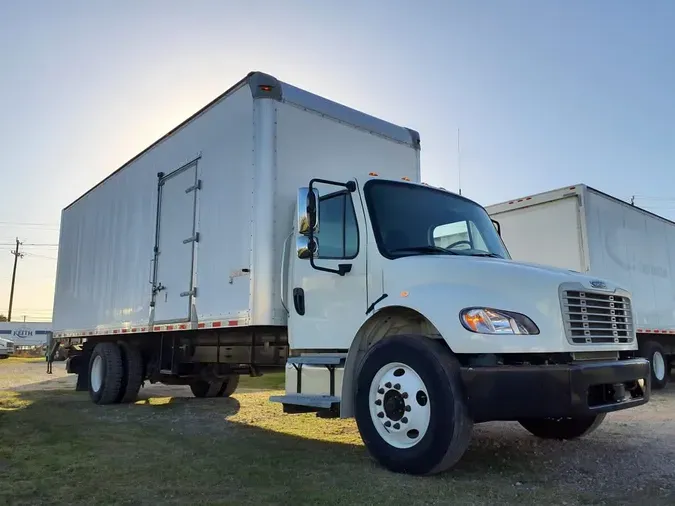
(105, 373)
(229, 386)
(654, 352)
(409, 405)
(563, 428)
(202, 388)
(132, 362)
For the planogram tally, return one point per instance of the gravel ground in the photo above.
(632, 452)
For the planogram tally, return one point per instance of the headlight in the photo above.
(492, 321)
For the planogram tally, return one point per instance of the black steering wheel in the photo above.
(456, 243)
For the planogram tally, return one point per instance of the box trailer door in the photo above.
(175, 243)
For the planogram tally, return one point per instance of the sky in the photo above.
(544, 94)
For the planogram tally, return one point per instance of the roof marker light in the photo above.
(373, 174)
(405, 178)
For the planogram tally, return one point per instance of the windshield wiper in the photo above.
(491, 255)
(424, 249)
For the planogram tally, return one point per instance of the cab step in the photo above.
(307, 403)
(318, 359)
(330, 361)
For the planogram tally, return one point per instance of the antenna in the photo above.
(459, 168)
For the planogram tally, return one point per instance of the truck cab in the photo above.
(406, 312)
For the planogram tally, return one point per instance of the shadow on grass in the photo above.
(60, 448)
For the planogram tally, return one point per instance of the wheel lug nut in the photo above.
(387, 423)
(408, 408)
(404, 395)
(378, 402)
(397, 386)
(387, 384)
(380, 391)
(397, 426)
(404, 420)
(380, 415)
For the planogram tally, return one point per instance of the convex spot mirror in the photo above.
(306, 248)
(308, 211)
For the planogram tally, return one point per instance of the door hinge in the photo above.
(197, 186)
(194, 238)
(192, 292)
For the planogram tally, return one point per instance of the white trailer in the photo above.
(276, 228)
(586, 230)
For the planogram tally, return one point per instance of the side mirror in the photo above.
(308, 210)
(305, 248)
(498, 227)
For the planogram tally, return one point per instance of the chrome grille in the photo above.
(597, 318)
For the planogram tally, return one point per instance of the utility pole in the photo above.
(17, 254)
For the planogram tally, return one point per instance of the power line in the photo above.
(20, 223)
(35, 255)
(33, 245)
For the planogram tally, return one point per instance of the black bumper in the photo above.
(517, 392)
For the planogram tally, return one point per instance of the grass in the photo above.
(58, 448)
(268, 381)
(21, 360)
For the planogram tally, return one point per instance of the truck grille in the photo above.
(596, 318)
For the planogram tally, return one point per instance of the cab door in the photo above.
(327, 294)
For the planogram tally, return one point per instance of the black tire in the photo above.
(450, 426)
(110, 357)
(229, 386)
(202, 388)
(132, 378)
(563, 428)
(651, 350)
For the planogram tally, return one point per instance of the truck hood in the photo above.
(441, 286)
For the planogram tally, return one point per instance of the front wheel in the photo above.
(563, 428)
(409, 405)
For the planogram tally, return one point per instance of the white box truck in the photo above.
(276, 228)
(585, 230)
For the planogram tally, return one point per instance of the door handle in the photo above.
(299, 300)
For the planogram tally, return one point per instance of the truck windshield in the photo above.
(417, 220)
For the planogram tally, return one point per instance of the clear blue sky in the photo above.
(545, 93)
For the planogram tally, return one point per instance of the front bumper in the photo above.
(517, 392)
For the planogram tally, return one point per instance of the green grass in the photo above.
(268, 381)
(22, 360)
(58, 448)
